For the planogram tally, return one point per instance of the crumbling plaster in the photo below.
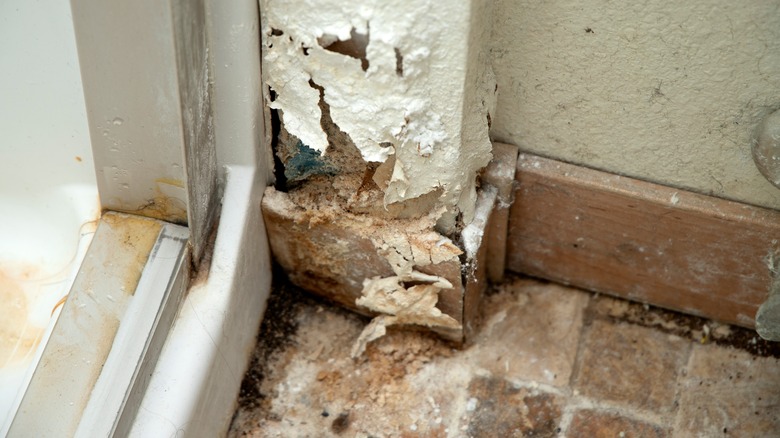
(665, 92)
(409, 100)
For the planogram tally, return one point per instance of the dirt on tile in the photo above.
(408, 383)
(524, 374)
(595, 424)
(697, 329)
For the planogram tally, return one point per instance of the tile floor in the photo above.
(548, 361)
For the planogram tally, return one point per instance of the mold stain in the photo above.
(171, 182)
(162, 206)
(137, 236)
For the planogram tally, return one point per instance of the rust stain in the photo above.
(165, 208)
(165, 204)
(78, 158)
(18, 338)
(162, 207)
(171, 182)
(58, 304)
(75, 353)
(137, 236)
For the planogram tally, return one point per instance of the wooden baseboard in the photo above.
(641, 241)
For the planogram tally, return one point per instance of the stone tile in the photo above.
(595, 424)
(729, 392)
(498, 408)
(629, 364)
(531, 332)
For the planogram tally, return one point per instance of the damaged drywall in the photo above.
(405, 84)
(400, 270)
(397, 305)
(380, 112)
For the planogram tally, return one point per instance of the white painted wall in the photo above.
(43, 121)
(47, 183)
(663, 91)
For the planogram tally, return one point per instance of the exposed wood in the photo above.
(641, 241)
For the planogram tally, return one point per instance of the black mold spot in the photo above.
(341, 423)
(276, 127)
(399, 62)
(354, 47)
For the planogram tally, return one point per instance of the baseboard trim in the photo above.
(641, 241)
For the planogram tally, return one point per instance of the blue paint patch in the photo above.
(305, 162)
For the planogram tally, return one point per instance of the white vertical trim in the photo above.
(145, 72)
(234, 42)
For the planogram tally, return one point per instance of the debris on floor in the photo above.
(546, 361)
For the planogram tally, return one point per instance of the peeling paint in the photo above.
(399, 305)
(410, 84)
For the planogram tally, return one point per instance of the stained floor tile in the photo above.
(504, 410)
(531, 332)
(595, 424)
(548, 361)
(632, 365)
(728, 392)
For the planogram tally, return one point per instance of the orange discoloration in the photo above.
(18, 338)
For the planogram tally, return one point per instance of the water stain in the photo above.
(18, 337)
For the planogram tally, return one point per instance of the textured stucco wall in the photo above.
(668, 92)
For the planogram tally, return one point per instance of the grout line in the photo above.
(568, 410)
(578, 402)
(682, 376)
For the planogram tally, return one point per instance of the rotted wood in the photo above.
(641, 241)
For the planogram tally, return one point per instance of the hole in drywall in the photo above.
(354, 47)
(276, 127)
(276, 32)
(368, 178)
(411, 284)
(305, 50)
(399, 62)
(342, 152)
(489, 121)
